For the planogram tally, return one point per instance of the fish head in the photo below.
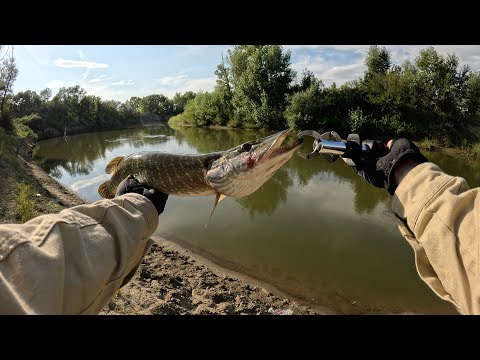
(243, 169)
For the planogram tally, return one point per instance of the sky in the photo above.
(120, 71)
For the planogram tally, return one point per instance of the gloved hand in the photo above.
(130, 184)
(379, 170)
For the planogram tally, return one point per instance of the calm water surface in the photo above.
(315, 230)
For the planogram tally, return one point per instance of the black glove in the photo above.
(378, 170)
(130, 184)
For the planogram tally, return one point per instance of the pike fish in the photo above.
(236, 172)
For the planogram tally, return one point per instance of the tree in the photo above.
(472, 97)
(308, 77)
(86, 110)
(25, 103)
(179, 101)
(224, 90)
(68, 105)
(261, 77)
(156, 104)
(377, 61)
(444, 84)
(71, 95)
(45, 94)
(8, 74)
(303, 110)
(203, 110)
(134, 102)
(106, 113)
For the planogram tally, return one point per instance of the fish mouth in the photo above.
(271, 146)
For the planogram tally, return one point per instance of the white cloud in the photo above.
(328, 70)
(341, 74)
(123, 82)
(100, 78)
(196, 50)
(323, 60)
(467, 54)
(60, 62)
(313, 63)
(359, 49)
(195, 85)
(55, 84)
(169, 85)
(173, 81)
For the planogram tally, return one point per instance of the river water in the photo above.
(315, 230)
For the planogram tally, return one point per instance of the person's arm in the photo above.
(440, 217)
(75, 261)
(443, 215)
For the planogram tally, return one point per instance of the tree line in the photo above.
(431, 97)
(72, 111)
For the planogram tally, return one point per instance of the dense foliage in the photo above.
(432, 97)
(71, 111)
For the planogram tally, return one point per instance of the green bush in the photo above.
(356, 120)
(235, 122)
(475, 150)
(177, 120)
(21, 128)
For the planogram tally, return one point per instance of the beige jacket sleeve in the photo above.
(443, 218)
(75, 261)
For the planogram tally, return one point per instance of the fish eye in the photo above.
(246, 147)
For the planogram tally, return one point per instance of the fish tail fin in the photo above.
(105, 190)
(219, 198)
(112, 166)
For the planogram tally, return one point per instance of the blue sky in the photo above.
(121, 71)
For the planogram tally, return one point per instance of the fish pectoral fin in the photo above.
(104, 190)
(112, 166)
(218, 198)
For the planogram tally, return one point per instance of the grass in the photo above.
(430, 143)
(7, 155)
(475, 150)
(177, 120)
(25, 201)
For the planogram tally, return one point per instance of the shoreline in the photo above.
(187, 280)
(184, 281)
(175, 280)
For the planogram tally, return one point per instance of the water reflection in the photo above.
(469, 169)
(77, 157)
(268, 198)
(315, 229)
(206, 140)
(276, 190)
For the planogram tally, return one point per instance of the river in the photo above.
(315, 230)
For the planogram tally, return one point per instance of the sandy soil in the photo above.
(171, 279)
